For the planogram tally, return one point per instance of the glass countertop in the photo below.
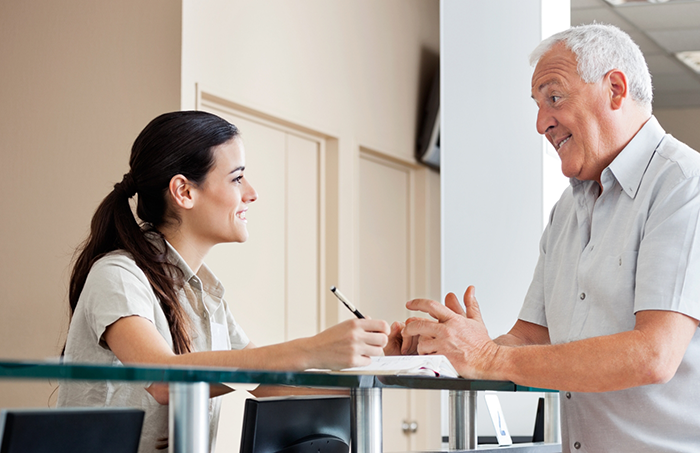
(54, 369)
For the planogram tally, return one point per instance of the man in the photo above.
(611, 316)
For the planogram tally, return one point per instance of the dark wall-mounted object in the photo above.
(428, 143)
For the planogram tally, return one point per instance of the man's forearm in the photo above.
(509, 340)
(647, 355)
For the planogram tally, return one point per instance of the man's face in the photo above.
(573, 115)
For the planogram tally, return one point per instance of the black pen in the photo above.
(346, 302)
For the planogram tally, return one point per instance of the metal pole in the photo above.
(189, 417)
(463, 420)
(366, 418)
(552, 432)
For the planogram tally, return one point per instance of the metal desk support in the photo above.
(189, 398)
(552, 432)
(463, 420)
(366, 417)
(188, 413)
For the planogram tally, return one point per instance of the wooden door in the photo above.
(389, 275)
(273, 280)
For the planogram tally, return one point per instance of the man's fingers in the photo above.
(433, 308)
(427, 346)
(453, 304)
(473, 310)
(422, 327)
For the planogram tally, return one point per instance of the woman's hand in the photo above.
(348, 344)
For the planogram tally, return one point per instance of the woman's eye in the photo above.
(238, 179)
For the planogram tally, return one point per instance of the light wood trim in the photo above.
(206, 97)
(328, 196)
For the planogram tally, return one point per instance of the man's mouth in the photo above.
(561, 143)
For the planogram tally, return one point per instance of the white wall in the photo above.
(493, 162)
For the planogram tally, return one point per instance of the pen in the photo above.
(346, 302)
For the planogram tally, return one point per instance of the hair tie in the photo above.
(127, 186)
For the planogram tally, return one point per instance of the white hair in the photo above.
(600, 48)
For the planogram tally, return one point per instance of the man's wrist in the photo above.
(497, 364)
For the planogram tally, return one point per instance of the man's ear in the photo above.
(182, 192)
(619, 89)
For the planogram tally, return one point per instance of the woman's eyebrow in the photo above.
(241, 168)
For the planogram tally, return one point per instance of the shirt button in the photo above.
(582, 296)
(568, 395)
(577, 445)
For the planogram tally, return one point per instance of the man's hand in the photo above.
(461, 337)
(401, 343)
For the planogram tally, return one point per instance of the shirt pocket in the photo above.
(616, 291)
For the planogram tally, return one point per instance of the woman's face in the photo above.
(221, 201)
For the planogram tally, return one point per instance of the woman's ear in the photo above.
(181, 190)
(619, 89)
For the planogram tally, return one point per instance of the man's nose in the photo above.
(545, 120)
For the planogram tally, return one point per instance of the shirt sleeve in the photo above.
(668, 263)
(533, 309)
(116, 288)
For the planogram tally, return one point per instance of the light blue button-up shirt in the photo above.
(605, 256)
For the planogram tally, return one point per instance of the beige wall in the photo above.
(79, 80)
(684, 124)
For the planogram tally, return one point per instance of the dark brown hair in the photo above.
(177, 143)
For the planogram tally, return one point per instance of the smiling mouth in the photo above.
(561, 143)
(241, 215)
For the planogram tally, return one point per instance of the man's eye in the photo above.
(554, 99)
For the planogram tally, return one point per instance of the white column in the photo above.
(495, 172)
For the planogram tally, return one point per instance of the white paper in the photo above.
(410, 365)
(499, 421)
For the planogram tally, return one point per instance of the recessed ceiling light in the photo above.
(691, 59)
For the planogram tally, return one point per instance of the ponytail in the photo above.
(114, 227)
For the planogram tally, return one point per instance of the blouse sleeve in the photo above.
(117, 288)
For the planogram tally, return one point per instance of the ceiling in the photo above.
(660, 30)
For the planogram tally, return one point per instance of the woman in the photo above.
(140, 292)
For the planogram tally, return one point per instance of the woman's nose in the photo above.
(250, 194)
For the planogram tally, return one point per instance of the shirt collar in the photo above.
(629, 166)
(209, 282)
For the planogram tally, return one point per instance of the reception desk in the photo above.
(189, 394)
